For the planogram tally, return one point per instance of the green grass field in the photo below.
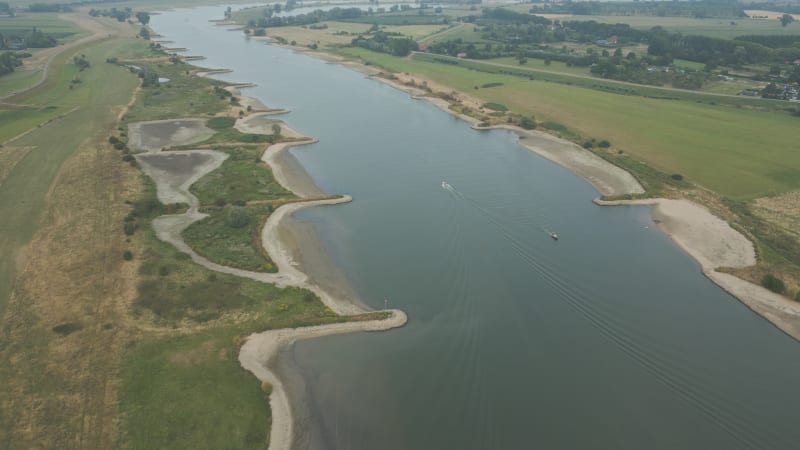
(240, 178)
(183, 96)
(214, 238)
(190, 392)
(103, 87)
(720, 28)
(48, 23)
(538, 64)
(732, 149)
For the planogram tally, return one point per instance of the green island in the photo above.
(119, 339)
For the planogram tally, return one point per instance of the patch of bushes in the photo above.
(127, 255)
(129, 228)
(220, 123)
(237, 217)
(491, 85)
(527, 123)
(773, 283)
(68, 328)
(495, 106)
(604, 144)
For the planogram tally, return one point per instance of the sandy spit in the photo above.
(714, 244)
(259, 348)
(254, 125)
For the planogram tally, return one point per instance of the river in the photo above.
(609, 338)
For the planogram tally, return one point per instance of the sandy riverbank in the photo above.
(714, 244)
(260, 123)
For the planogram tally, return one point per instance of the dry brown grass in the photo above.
(59, 390)
(782, 211)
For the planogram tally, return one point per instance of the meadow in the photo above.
(48, 23)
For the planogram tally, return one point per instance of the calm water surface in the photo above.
(610, 338)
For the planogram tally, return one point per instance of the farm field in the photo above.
(49, 23)
(719, 28)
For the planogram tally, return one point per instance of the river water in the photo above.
(609, 338)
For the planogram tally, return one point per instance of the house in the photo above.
(610, 42)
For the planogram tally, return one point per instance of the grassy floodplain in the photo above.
(142, 341)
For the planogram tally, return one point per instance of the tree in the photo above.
(276, 129)
(773, 283)
(144, 33)
(143, 17)
(237, 217)
(786, 19)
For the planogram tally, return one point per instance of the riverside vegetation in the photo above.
(736, 155)
(143, 341)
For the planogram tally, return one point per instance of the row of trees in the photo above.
(8, 62)
(319, 15)
(385, 43)
(34, 39)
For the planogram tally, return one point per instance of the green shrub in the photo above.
(527, 123)
(604, 144)
(163, 271)
(129, 228)
(65, 329)
(773, 283)
(127, 255)
(495, 106)
(220, 123)
(266, 388)
(237, 217)
(491, 85)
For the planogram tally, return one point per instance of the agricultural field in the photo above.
(718, 28)
(48, 23)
